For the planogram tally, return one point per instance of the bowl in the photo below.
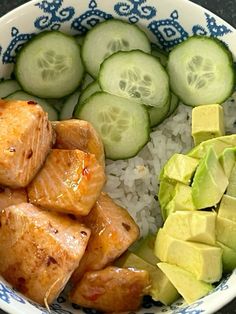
(167, 24)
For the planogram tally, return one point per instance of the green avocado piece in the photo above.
(186, 284)
(231, 189)
(202, 260)
(227, 160)
(204, 128)
(209, 182)
(226, 232)
(161, 288)
(165, 194)
(145, 249)
(179, 168)
(227, 208)
(228, 258)
(218, 144)
(197, 226)
(182, 199)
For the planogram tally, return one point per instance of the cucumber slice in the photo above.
(158, 114)
(201, 71)
(174, 103)
(8, 87)
(69, 105)
(109, 37)
(20, 95)
(79, 39)
(161, 55)
(49, 65)
(122, 123)
(135, 75)
(86, 81)
(56, 103)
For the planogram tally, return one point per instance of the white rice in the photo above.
(133, 183)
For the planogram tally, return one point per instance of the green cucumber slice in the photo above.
(161, 55)
(79, 39)
(135, 75)
(49, 65)
(122, 123)
(21, 95)
(158, 114)
(56, 103)
(69, 105)
(201, 71)
(174, 103)
(109, 37)
(86, 81)
(8, 87)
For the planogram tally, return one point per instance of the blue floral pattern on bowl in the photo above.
(167, 24)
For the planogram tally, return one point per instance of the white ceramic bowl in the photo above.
(167, 23)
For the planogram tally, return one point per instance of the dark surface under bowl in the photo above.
(223, 8)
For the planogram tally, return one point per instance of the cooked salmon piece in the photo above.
(79, 134)
(69, 182)
(112, 289)
(10, 197)
(113, 230)
(26, 137)
(43, 249)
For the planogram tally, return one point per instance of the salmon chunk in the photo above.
(113, 230)
(26, 137)
(112, 289)
(43, 249)
(69, 182)
(10, 197)
(79, 134)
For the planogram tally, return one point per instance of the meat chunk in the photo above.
(26, 136)
(43, 249)
(10, 197)
(69, 182)
(112, 289)
(79, 134)
(112, 231)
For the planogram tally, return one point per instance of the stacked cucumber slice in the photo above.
(120, 82)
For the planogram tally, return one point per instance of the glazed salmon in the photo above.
(113, 230)
(112, 289)
(26, 137)
(43, 249)
(79, 134)
(10, 197)
(69, 182)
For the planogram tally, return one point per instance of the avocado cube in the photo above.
(186, 284)
(180, 168)
(227, 208)
(207, 122)
(226, 232)
(161, 288)
(202, 260)
(228, 258)
(231, 189)
(197, 226)
(165, 194)
(182, 199)
(227, 160)
(145, 249)
(209, 182)
(218, 144)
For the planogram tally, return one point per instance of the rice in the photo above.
(133, 183)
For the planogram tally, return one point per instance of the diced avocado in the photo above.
(218, 144)
(231, 189)
(228, 258)
(182, 199)
(197, 226)
(209, 182)
(227, 160)
(180, 168)
(145, 249)
(187, 285)
(227, 208)
(226, 232)
(165, 194)
(161, 288)
(202, 260)
(205, 128)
